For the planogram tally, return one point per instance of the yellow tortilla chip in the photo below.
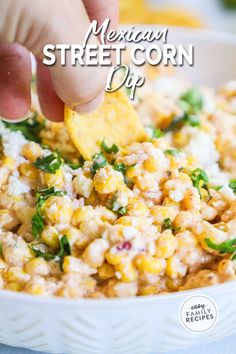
(115, 120)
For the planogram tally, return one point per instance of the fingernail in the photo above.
(16, 120)
(91, 105)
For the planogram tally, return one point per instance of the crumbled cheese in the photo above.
(201, 145)
(16, 187)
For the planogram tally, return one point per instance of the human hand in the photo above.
(27, 26)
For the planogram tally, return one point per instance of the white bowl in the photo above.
(141, 325)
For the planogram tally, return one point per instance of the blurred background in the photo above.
(214, 14)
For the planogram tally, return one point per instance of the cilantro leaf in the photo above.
(50, 163)
(115, 206)
(194, 99)
(65, 250)
(109, 149)
(37, 223)
(224, 247)
(167, 224)
(120, 167)
(154, 133)
(232, 185)
(172, 152)
(191, 104)
(30, 128)
(216, 188)
(99, 161)
(37, 219)
(199, 179)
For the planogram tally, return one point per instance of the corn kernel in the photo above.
(28, 170)
(150, 164)
(113, 258)
(133, 171)
(14, 286)
(83, 185)
(145, 290)
(160, 213)
(32, 151)
(35, 288)
(57, 210)
(74, 235)
(37, 266)
(171, 268)
(15, 274)
(166, 246)
(149, 264)
(107, 180)
(76, 265)
(52, 180)
(9, 162)
(94, 254)
(80, 214)
(138, 209)
(106, 271)
(50, 237)
(127, 271)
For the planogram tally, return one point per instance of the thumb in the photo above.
(79, 87)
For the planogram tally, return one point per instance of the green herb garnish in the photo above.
(37, 223)
(199, 179)
(224, 247)
(30, 128)
(65, 250)
(50, 163)
(37, 220)
(109, 149)
(191, 104)
(216, 188)
(99, 161)
(172, 152)
(154, 133)
(167, 224)
(192, 101)
(1, 250)
(115, 206)
(120, 167)
(232, 185)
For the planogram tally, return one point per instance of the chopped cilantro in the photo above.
(191, 104)
(167, 224)
(37, 220)
(224, 247)
(50, 163)
(120, 167)
(216, 188)
(192, 120)
(37, 223)
(154, 133)
(193, 100)
(115, 206)
(30, 128)
(232, 185)
(99, 161)
(109, 149)
(172, 152)
(199, 179)
(65, 250)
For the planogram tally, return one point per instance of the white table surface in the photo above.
(225, 346)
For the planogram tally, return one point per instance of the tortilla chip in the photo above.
(115, 120)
